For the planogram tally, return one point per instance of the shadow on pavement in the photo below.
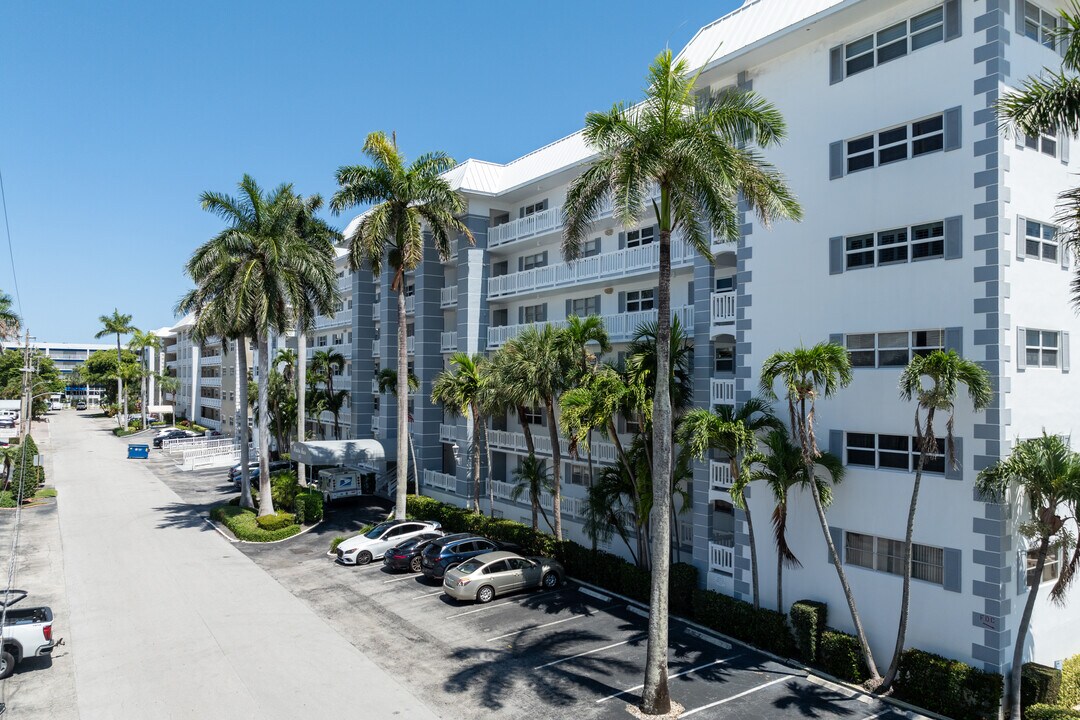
(184, 515)
(814, 701)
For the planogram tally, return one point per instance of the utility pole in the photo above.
(27, 403)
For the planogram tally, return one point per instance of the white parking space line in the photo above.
(399, 579)
(744, 693)
(877, 715)
(495, 605)
(431, 594)
(593, 593)
(537, 627)
(708, 638)
(588, 652)
(669, 677)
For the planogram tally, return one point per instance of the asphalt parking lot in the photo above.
(573, 651)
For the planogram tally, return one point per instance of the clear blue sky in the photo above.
(115, 116)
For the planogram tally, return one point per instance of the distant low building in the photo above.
(68, 356)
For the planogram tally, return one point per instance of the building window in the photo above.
(534, 416)
(535, 313)
(724, 284)
(886, 555)
(1040, 241)
(1041, 347)
(640, 300)
(892, 349)
(895, 452)
(1039, 25)
(584, 307)
(1051, 568)
(899, 143)
(534, 208)
(725, 360)
(1046, 144)
(534, 261)
(590, 248)
(895, 41)
(642, 236)
(577, 474)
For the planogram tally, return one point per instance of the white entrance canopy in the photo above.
(354, 453)
(161, 409)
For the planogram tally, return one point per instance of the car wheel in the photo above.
(485, 594)
(363, 558)
(7, 664)
(414, 564)
(550, 581)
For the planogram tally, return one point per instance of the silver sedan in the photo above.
(497, 573)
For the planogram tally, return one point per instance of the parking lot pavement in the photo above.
(573, 651)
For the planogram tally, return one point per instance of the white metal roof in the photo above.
(337, 452)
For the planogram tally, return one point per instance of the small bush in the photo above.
(948, 687)
(275, 522)
(309, 507)
(1039, 685)
(7, 500)
(335, 542)
(244, 526)
(1049, 712)
(808, 622)
(1070, 683)
(840, 656)
(283, 488)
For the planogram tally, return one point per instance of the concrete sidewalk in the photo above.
(168, 620)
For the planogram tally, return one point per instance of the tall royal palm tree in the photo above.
(932, 382)
(139, 343)
(387, 380)
(117, 324)
(807, 374)
(733, 432)
(405, 197)
(1045, 472)
(461, 390)
(275, 277)
(700, 160)
(10, 322)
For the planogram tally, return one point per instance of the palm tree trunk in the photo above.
(779, 583)
(655, 696)
(487, 451)
(1022, 629)
(301, 399)
(476, 457)
(242, 399)
(905, 599)
(266, 500)
(753, 556)
(402, 405)
(556, 462)
(526, 431)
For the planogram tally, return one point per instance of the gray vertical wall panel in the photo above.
(836, 255)
(953, 134)
(952, 570)
(836, 64)
(954, 238)
(836, 160)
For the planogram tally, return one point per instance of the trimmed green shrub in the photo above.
(7, 500)
(309, 507)
(948, 687)
(244, 526)
(841, 657)
(275, 522)
(283, 489)
(766, 629)
(808, 622)
(1049, 712)
(1070, 683)
(1039, 685)
(683, 581)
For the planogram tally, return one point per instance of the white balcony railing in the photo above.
(210, 381)
(448, 433)
(344, 283)
(375, 425)
(502, 490)
(210, 359)
(410, 304)
(375, 348)
(448, 341)
(448, 296)
(721, 558)
(722, 391)
(602, 452)
(719, 479)
(620, 328)
(441, 481)
(210, 402)
(375, 386)
(613, 265)
(375, 310)
(570, 506)
(410, 344)
(341, 318)
(722, 307)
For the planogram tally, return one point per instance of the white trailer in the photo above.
(339, 482)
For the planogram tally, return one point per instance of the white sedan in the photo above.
(362, 549)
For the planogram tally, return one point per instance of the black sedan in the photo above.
(406, 556)
(170, 435)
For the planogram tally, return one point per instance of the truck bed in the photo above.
(28, 616)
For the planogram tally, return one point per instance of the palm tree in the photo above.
(531, 478)
(326, 363)
(782, 469)
(734, 433)
(274, 277)
(507, 389)
(808, 374)
(117, 324)
(619, 503)
(387, 379)
(139, 343)
(404, 197)
(1046, 473)
(335, 403)
(943, 371)
(539, 361)
(10, 322)
(577, 337)
(700, 160)
(460, 389)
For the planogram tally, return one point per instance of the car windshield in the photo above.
(378, 530)
(469, 567)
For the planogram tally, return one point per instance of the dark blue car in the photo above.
(450, 551)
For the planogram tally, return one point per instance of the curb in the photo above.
(237, 541)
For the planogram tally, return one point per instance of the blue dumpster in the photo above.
(138, 452)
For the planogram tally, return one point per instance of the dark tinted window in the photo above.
(496, 567)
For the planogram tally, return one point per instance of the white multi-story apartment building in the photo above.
(926, 226)
(66, 357)
(332, 336)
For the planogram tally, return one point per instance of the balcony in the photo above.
(719, 480)
(345, 283)
(722, 391)
(342, 318)
(722, 556)
(410, 304)
(410, 344)
(602, 452)
(439, 480)
(210, 359)
(569, 506)
(375, 348)
(722, 308)
(448, 296)
(375, 386)
(502, 490)
(620, 328)
(211, 381)
(449, 433)
(375, 310)
(448, 342)
(611, 265)
(375, 426)
(210, 402)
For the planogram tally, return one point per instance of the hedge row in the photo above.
(1039, 685)
(948, 687)
(243, 524)
(767, 629)
(1050, 712)
(809, 620)
(1070, 682)
(841, 656)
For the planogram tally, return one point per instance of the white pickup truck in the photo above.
(26, 632)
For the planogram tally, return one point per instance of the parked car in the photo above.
(361, 549)
(253, 470)
(406, 556)
(26, 633)
(173, 434)
(7, 421)
(80, 405)
(497, 573)
(450, 551)
(212, 433)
